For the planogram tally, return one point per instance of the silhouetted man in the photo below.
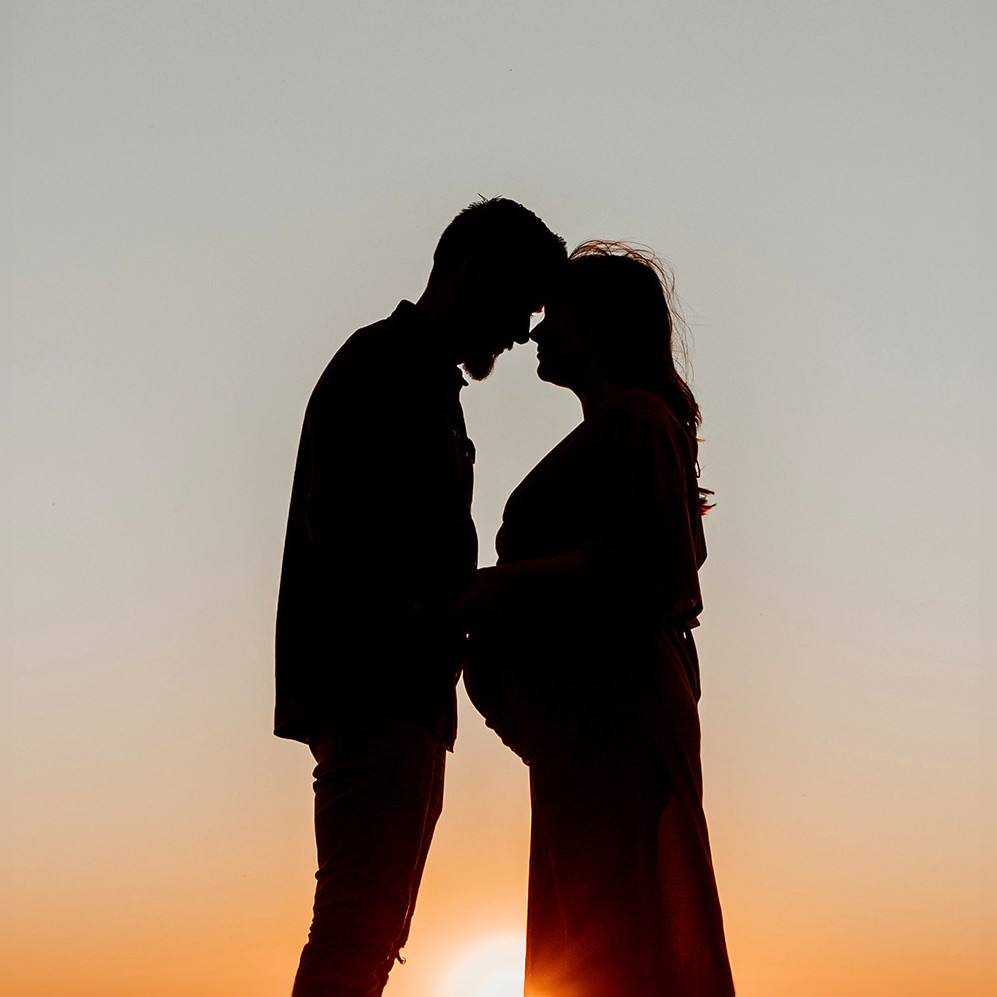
(380, 544)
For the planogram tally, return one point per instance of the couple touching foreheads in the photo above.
(576, 647)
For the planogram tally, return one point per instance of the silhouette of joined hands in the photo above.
(491, 597)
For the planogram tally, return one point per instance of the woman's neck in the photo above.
(597, 389)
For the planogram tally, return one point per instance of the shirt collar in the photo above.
(424, 337)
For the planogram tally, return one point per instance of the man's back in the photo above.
(380, 540)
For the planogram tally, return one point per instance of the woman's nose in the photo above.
(537, 331)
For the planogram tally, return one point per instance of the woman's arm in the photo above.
(501, 591)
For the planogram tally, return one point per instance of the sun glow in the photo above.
(492, 968)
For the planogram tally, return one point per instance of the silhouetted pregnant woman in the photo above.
(582, 658)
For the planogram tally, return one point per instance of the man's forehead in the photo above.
(540, 284)
(530, 283)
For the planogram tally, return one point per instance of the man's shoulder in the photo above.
(371, 343)
(369, 354)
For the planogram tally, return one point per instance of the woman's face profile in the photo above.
(564, 351)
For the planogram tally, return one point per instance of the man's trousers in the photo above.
(378, 795)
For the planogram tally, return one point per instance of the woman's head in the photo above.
(610, 318)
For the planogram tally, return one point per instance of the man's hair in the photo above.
(497, 226)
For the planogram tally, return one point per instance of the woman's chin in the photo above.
(547, 373)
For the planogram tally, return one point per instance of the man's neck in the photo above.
(436, 304)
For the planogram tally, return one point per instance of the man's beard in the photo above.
(478, 365)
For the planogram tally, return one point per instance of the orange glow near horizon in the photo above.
(206, 917)
(492, 967)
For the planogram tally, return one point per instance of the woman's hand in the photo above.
(490, 599)
(510, 589)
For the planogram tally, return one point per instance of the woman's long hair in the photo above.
(625, 296)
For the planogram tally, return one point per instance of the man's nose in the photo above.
(522, 335)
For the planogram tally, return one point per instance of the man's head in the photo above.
(491, 270)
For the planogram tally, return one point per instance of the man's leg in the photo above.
(378, 793)
(433, 812)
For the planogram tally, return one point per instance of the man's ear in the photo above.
(477, 271)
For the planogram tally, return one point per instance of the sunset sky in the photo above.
(202, 200)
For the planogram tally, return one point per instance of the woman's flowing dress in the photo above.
(595, 685)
